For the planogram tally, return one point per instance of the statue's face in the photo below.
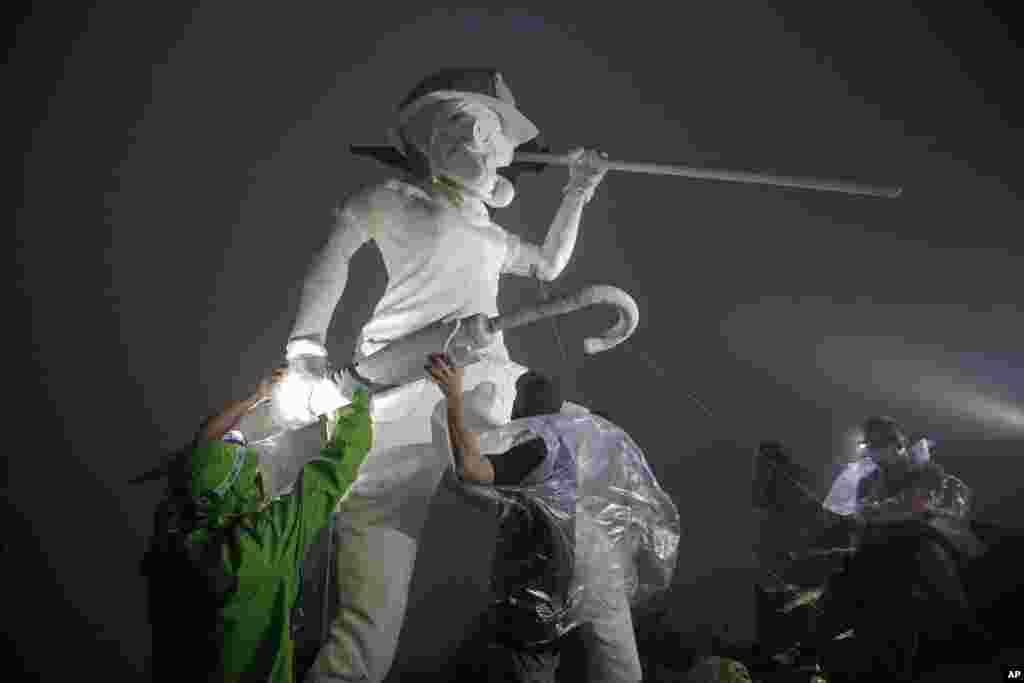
(468, 145)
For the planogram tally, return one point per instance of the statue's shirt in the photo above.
(441, 261)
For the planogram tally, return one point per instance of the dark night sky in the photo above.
(181, 166)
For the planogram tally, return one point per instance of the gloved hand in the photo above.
(586, 172)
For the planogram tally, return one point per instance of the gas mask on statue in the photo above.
(467, 146)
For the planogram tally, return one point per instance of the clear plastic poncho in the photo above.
(604, 532)
(926, 486)
(945, 493)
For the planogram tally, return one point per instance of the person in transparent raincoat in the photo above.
(912, 521)
(586, 533)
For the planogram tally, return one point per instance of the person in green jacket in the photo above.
(244, 552)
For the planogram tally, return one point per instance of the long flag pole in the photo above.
(728, 176)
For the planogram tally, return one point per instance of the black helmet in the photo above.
(482, 85)
(883, 432)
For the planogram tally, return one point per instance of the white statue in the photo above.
(444, 257)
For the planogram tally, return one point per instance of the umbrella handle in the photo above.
(629, 316)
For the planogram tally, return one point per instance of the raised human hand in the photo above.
(266, 387)
(445, 374)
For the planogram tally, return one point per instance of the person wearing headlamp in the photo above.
(229, 568)
(911, 529)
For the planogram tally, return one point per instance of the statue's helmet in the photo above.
(480, 85)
